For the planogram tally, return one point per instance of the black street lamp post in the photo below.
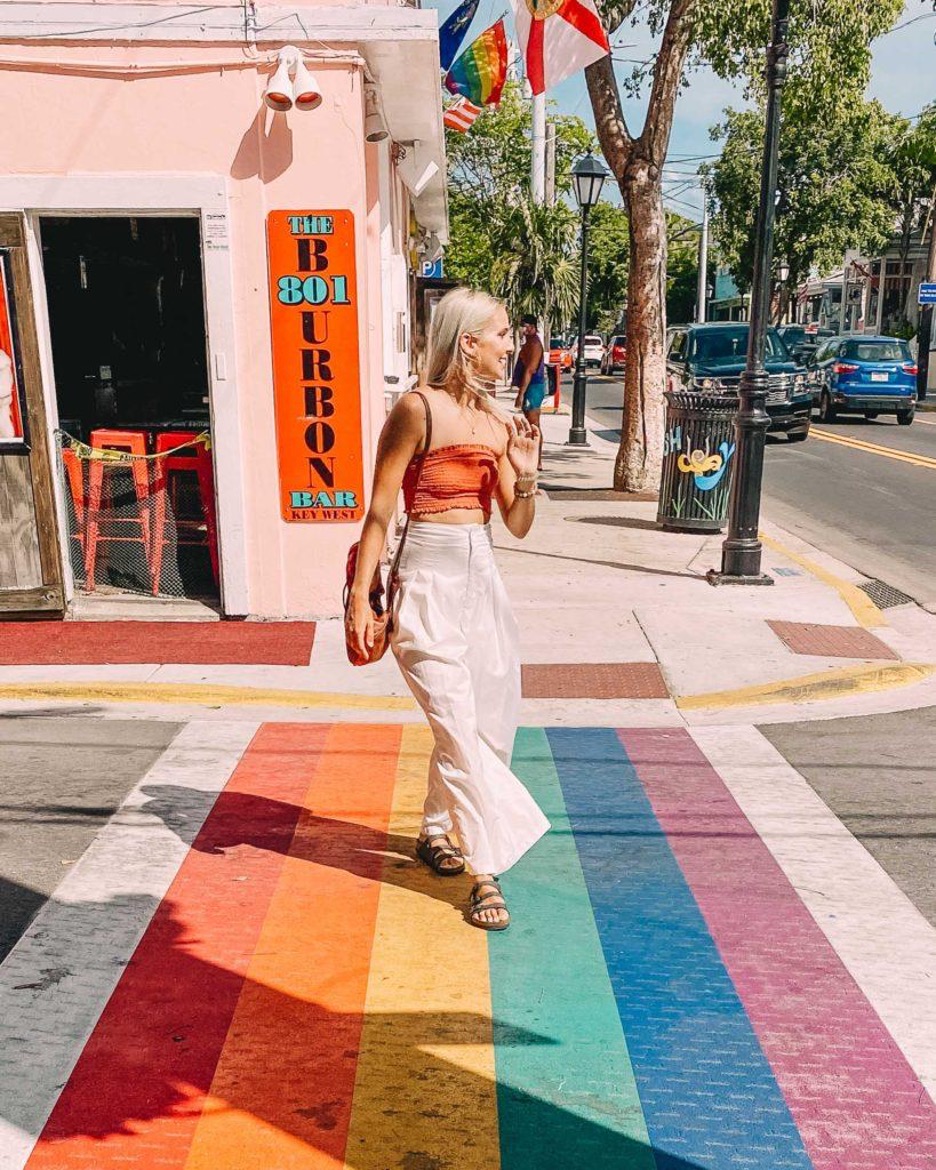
(741, 550)
(588, 176)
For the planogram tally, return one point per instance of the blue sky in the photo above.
(903, 79)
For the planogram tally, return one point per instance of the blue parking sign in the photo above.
(433, 269)
(927, 294)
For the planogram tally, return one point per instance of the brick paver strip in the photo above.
(856, 1101)
(199, 643)
(707, 1091)
(586, 680)
(831, 641)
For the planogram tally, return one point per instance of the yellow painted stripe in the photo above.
(200, 694)
(830, 684)
(873, 448)
(425, 1093)
(866, 612)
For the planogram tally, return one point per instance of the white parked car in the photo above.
(593, 349)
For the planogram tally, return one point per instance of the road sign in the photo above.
(927, 295)
(433, 268)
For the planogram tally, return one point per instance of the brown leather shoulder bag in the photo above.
(381, 597)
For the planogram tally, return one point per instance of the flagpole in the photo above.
(538, 163)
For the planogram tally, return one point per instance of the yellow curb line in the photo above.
(204, 695)
(831, 684)
(874, 448)
(866, 612)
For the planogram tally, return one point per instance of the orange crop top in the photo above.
(461, 476)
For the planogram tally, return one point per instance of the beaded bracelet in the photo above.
(524, 495)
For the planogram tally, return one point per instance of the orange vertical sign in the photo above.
(316, 365)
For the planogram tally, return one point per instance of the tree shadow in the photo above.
(183, 1037)
(622, 565)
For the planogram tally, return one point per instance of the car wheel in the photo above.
(798, 436)
(827, 412)
(871, 415)
(905, 417)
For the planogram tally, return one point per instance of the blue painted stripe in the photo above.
(708, 1094)
(566, 1095)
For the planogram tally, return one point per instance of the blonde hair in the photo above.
(448, 367)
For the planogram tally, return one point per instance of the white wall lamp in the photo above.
(292, 84)
(374, 128)
(415, 168)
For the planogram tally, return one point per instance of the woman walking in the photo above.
(453, 633)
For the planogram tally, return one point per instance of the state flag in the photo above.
(558, 38)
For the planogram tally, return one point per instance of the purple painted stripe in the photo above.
(855, 1099)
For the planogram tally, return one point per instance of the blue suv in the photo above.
(864, 375)
(711, 357)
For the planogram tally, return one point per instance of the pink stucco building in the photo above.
(180, 259)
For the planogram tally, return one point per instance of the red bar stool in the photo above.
(194, 457)
(75, 481)
(134, 443)
(74, 477)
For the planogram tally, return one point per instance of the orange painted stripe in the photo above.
(139, 1086)
(281, 1095)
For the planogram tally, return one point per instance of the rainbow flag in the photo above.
(480, 72)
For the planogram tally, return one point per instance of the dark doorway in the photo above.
(129, 347)
(126, 308)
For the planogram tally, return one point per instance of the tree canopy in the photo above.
(829, 67)
(836, 188)
(500, 239)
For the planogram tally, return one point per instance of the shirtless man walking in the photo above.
(529, 376)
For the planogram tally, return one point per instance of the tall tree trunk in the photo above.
(637, 467)
(637, 164)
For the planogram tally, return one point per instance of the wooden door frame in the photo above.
(49, 597)
(204, 196)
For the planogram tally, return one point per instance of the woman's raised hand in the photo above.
(523, 447)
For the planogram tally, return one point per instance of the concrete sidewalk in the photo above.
(619, 627)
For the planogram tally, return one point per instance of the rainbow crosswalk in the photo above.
(306, 996)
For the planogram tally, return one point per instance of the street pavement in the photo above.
(722, 956)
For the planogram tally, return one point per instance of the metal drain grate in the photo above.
(884, 596)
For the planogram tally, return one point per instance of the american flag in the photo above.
(461, 114)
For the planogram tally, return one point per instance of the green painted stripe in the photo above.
(566, 1090)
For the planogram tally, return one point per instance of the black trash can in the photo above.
(698, 458)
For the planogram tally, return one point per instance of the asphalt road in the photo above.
(873, 509)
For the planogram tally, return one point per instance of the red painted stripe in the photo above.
(139, 1087)
(852, 1094)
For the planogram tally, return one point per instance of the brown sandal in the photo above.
(435, 851)
(490, 901)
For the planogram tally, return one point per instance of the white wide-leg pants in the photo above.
(456, 641)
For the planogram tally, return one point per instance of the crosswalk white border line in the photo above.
(885, 943)
(56, 981)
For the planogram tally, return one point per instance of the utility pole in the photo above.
(925, 327)
(703, 264)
